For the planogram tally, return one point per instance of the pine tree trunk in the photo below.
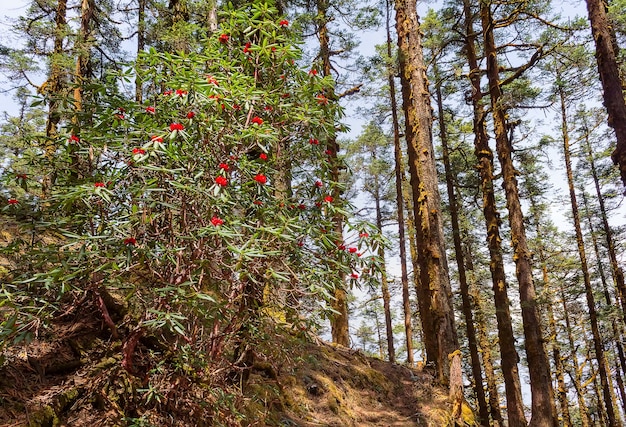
(543, 410)
(53, 88)
(510, 358)
(610, 78)
(399, 173)
(617, 336)
(593, 316)
(339, 322)
(616, 271)
(458, 252)
(576, 378)
(434, 294)
(391, 352)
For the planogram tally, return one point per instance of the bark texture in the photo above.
(434, 294)
(610, 78)
(543, 410)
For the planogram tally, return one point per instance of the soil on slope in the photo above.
(73, 376)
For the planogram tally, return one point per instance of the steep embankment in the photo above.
(74, 377)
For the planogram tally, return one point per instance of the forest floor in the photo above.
(72, 376)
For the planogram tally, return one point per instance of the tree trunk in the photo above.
(616, 271)
(543, 410)
(610, 78)
(53, 88)
(391, 352)
(510, 358)
(339, 322)
(399, 172)
(434, 294)
(458, 252)
(593, 316)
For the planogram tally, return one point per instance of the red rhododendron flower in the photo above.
(217, 221)
(99, 184)
(224, 166)
(221, 181)
(352, 250)
(246, 48)
(181, 92)
(328, 199)
(156, 139)
(321, 99)
(263, 156)
(224, 38)
(150, 110)
(260, 178)
(318, 184)
(74, 138)
(12, 201)
(130, 241)
(284, 23)
(354, 276)
(176, 126)
(257, 120)
(313, 72)
(137, 151)
(212, 80)
(313, 141)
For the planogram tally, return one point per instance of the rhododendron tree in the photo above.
(206, 242)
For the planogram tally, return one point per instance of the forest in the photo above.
(205, 204)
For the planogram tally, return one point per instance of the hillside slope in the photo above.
(73, 376)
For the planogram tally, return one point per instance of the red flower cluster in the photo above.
(191, 115)
(313, 72)
(217, 221)
(74, 138)
(352, 250)
(328, 152)
(328, 199)
(99, 185)
(221, 181)
(314, 141)
(257, 202)
(212, 80)
(246, 48)
(319, 184)
(130, 241)
(181, 92)
(363, 235)
(176, 126)
(156, 139)
(284, 23)
(260, 178)
(12, 201)
(263, 156)
(224, 38)
(150, 110)
(224, 166)
(341, 246)
(257, 120)
(321, 99)
(138, 151)
(167, 93)
(354, 276)
(236, 107)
